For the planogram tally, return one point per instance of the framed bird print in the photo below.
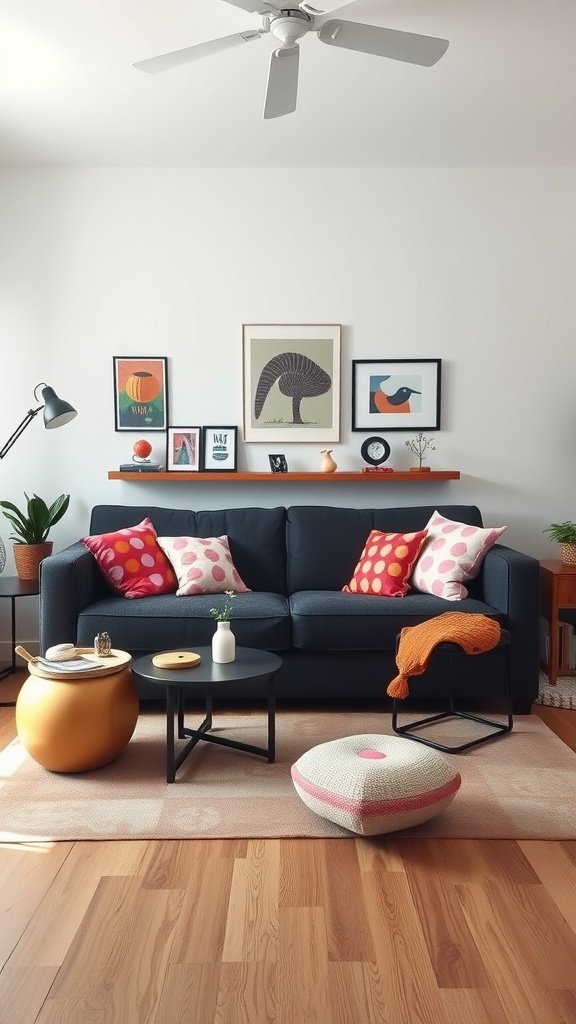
(291, 382)
(396, 394)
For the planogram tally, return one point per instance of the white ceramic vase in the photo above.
(223, 644)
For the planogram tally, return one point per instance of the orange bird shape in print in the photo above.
(398, 402)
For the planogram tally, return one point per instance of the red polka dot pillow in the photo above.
(203, 565)
(386, 563)
(132, 562)
(453, 553)
(371, 784)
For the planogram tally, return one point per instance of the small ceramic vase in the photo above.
(223, 644)
(327, 465)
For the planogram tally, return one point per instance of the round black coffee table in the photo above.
(250, 664)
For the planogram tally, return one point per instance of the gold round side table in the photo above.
(74, 723)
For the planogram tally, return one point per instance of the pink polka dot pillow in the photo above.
(452, 553)
(386, 563)
(371, 784)
(203, 565)
(132, 562)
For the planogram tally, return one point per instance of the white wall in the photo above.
(476, 267)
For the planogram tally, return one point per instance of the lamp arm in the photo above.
(19, 430)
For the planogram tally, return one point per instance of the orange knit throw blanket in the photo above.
(473, 632)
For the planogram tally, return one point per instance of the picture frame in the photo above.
(220, 448)
(140, 392)
(183, 449)
(396, 394)
(308, 357)
(278, 463)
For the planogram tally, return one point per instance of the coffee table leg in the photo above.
(170, 765)
(271, 720)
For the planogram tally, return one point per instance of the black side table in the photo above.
(13, 587)
(496, 728)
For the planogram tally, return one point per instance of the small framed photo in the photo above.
(278, 463)
(183, 449)
(140, 392)
(220, 445)
(396, 394)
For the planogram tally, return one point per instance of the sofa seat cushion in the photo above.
(259, 620)
(328, 620)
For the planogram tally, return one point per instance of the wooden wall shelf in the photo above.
(184, 477)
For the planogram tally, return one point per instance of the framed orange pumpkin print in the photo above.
(140, 392)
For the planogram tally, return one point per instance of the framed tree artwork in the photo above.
(291, 382)
(140, 392)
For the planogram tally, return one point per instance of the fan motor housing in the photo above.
(290, 26)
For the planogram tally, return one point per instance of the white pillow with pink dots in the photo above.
(203, 565)
(451, 554)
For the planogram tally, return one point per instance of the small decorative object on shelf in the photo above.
(223, 641)
(565, 535)
(327, 465)
(102, 645)
(418, 446)
(140, 459)
(375, 451)
(278, 463)
(141, 451)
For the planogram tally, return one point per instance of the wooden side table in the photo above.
(557, 590)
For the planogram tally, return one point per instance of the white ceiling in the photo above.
(503, 95)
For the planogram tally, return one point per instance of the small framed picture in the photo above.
(183, 449)
(220, 445)
(278, 463)
(140, 392)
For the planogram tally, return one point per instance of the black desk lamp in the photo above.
(56, 414)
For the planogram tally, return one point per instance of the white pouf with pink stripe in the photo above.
(372, 784)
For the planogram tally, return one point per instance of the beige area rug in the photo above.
(563, 695)
(518, 786)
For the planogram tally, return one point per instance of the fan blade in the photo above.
(282, 87)
(255, 6)
(175, 58)
(320, 7)
(384, 42)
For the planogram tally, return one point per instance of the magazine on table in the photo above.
(78, 664)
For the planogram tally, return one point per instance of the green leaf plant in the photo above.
(33, 525)
(562, 533)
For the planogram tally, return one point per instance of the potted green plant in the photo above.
(565, 535)
(31, 528)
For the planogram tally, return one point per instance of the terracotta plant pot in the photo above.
(419, 469)
(27, 558)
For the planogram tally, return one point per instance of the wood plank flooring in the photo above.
(347, 931)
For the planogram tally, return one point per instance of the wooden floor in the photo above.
(303, 931)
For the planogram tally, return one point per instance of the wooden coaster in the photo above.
(176, 659)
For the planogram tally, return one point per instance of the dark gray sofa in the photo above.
(295, 561)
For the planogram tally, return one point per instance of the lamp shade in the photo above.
(56, 411)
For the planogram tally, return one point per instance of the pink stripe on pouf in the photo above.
(365, 807)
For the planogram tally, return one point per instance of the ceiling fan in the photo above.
(289, 22)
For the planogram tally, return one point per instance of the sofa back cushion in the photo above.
(324, 543)
(257, 536)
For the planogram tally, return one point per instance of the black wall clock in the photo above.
(375, 451)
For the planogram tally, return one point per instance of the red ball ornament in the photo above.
(142, 449)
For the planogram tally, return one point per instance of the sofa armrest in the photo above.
(510, 582)
(68, 583)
